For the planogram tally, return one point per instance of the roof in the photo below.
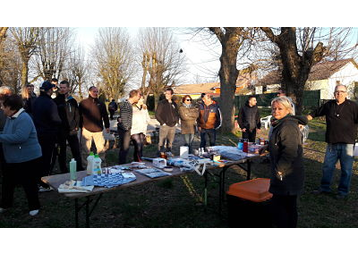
(241, 82)
(320, 71)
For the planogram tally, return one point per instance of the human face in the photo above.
(30, 88)
(279, 111)
(64, 89)
(168, 95)
(187, 100)
(340, 94)
(207, 99)
(7, 111)
(93, 92)
(252, 101)
(137, 98)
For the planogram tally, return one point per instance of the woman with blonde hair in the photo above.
(286, 154)
(28, 96)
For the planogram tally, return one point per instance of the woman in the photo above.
(140, 121)
(287, 173)
(22, 154)
(188, 114)
(28, 97)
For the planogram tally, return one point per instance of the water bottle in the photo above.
(73, 169)
(240, 145)
(90, 159)
(97, 165)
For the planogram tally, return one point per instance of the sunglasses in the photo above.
(188, 100)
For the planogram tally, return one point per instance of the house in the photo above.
(213, 88)
(323, 76)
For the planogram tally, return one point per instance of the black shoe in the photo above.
(320, 192)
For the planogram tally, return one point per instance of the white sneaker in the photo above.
(34, 212)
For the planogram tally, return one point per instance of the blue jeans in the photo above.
(212, 137)
(343, 153)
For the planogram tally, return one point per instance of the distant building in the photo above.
(324, 77)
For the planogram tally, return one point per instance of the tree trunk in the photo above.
(228, 74)
(25, 71)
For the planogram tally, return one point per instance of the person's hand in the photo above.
(309, 117)
(107, 130)
(258, 130)
(199, 129)
(119, 120)
(263, 149)
(243, 130)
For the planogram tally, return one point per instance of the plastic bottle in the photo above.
(73, 169)
(97, 165)
(90, 159)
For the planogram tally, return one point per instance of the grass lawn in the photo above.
(177, 202)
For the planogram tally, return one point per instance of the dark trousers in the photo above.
(124, 142)
(211, 133)
(24, 173)
(74, 144)
(111, 113)
(138, 142)
(284, 211)
(47, 143)
(251, 135)
(2, 160)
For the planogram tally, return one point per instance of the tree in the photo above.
(162, 61)
(113, 60)
(300, 49)
(231, 39)
(9, 65)
(54, 47)
(3, 33)
(26, 41)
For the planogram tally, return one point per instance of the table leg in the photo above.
(76, 212)
(205, 188)
(248, 176)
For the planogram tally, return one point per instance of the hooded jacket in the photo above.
(286, 153)
(209, 116)
(249, 117)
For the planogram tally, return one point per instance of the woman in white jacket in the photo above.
(140, 121)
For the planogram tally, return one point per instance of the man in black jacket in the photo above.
(47, 123)
(93, 113)
(168, 117)
(69, 113)
(249, 119)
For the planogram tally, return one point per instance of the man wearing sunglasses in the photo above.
(342, 119)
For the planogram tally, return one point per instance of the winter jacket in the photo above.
(249, 117)
(112, 106)
(69, 113)
(45, 115)
(140, 120)
(28, 103)
(167, 113)
(125, 114)
(19, 139)
(286, 153)
(209, 116)
(188, 116)
(92, 115)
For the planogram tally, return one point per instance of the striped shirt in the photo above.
(125, 113)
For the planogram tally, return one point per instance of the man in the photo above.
(168, 117)
(47, 123)
(125, 123)
(209, 120)
(249, 119)
(69, 113)
(92, 115)
(341, 119)
(112, 107)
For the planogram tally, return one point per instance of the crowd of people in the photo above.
(31, 127)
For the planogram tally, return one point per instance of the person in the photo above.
(249, 119)
(28, 97)
(209, 120)
(140, 121)
(282, 93)
(47, 122)
(22, 153)
(4, 91)
(287, 171)
(341, 119)
(124, 124)
(69, 113)
(188, 114)
(112, 107)
(92, 115)
(168, 117)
